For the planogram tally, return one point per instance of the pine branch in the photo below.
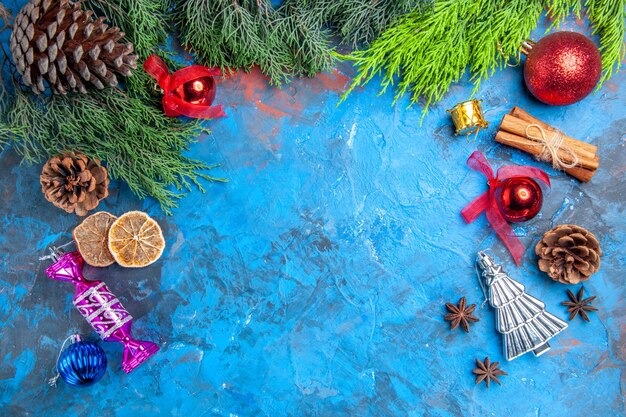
(424, 53)
(141, 146)
(607, 18)
(243, 33)
(497, 39)
(355, 21)
(125, 129)
(407, 49)
(430, 51)
(309, 50)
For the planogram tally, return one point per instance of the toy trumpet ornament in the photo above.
(101, 308)
(521, 318)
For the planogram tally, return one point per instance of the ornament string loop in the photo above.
(486, 202)
(173, 105)
(551, 147)
(507, 59)
(72, 339)
(56, 251)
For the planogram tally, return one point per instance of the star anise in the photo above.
(460, 314)
(579, 305)
(486, 371)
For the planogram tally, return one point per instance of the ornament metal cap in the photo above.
(527, 46)
(467, 117)
(56, 252)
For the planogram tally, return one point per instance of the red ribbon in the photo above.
(487, 201)
(173, 105)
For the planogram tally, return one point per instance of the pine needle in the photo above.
(243, 33)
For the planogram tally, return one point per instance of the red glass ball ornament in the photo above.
(519, 199)
(562, 68)
(200, 91)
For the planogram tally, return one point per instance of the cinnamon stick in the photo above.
(517, 127)
(523, 115)
(586, 158)
(535, 148)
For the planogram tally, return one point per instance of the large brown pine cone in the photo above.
(569, 254)
(74, 182)
(57, 42)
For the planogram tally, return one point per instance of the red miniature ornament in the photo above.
(187, 92)
(562, 68)
(200, 91)
(512, 196)
(519, 199)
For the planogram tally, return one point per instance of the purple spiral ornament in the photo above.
(101, 308)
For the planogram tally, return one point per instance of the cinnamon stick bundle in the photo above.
(543, 141)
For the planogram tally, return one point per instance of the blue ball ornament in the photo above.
(82, 364)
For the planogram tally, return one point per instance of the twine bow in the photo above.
(487, 201)
(551, 147)
(173, 105)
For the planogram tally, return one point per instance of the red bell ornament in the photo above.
(562, 68)
(187, 92)
(519, 199)
(513, 196)
(200, 91)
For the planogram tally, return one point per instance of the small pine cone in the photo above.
(74, 182)
(57, 42)
(569, 254)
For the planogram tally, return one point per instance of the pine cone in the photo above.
(56, 41)
(569, 254)
(74, 182)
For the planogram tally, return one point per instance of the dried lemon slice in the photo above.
(92, 239)
(136, 240)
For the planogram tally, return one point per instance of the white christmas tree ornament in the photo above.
(521, 318)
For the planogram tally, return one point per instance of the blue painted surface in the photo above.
(313, 283)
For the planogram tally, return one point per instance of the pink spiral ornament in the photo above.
(101, 308)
